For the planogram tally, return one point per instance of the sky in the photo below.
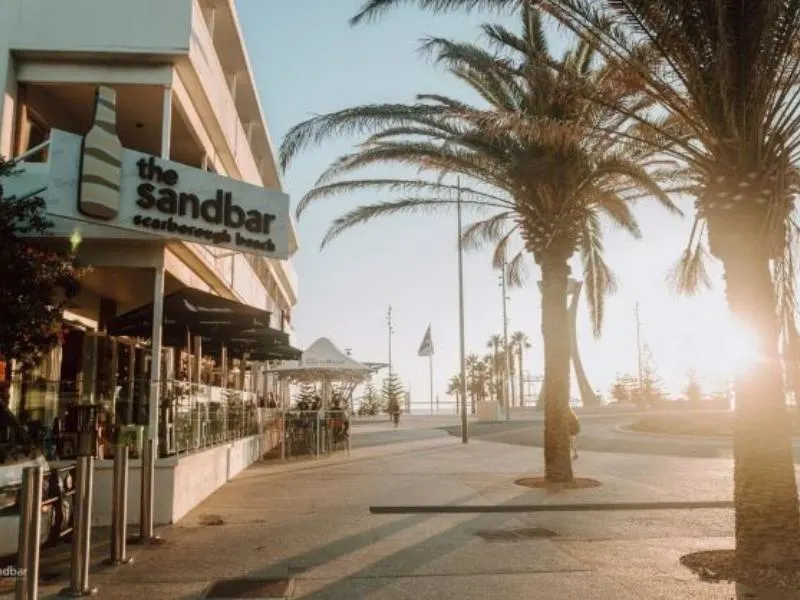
(307, 60)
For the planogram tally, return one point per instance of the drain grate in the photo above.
(252, 589)
(515, 535)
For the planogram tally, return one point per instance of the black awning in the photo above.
(191, 311)
(259, 343)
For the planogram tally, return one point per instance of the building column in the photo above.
(166, 123)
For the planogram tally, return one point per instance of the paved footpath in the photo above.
(311, 523)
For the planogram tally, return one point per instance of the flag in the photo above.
(426, 347)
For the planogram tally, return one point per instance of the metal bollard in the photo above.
(30, 528)
(148, 479)
(82, 530)
(146, 535)
(119, 509)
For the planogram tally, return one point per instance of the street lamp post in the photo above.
(391, 330)
(462, 344)
(505, 343)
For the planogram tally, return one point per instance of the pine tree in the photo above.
(694, 393)
(392, 392)
(371, 403)
(307, 393)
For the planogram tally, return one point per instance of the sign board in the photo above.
(162, 198)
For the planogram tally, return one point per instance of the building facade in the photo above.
(184, 92)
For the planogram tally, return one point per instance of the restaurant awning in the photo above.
(192, 312)
(259, 344)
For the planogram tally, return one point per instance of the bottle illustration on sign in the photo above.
(101, 160)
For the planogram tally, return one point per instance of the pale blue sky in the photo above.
(308, 60)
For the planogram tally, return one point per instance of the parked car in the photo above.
(17, 451)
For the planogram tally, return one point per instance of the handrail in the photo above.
(32, 152)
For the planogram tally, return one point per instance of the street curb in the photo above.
(680, 436)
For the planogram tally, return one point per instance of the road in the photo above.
(601, 433)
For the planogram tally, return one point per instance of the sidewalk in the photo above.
(311, 524)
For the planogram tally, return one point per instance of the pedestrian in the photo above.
(574, 430)
(394, 411)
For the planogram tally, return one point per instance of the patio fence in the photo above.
(314, 433)
(191, 416)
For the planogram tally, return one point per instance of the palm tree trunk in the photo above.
(555, 332)
(765, 490)
(521, 378)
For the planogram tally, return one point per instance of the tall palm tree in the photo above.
(726, 75)
(521, 342)
(549, 188)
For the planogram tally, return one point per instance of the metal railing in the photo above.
(314, 433)
(195, 417)
(191, 417)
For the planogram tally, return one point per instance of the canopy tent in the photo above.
(323, 362)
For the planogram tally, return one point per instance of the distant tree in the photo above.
(623, 388)
(307, 393)
(521, 342)
(371, 403)
(393, 392)
(36, 283)
(454, 389)
(694, 393)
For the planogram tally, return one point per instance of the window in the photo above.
(33, 131)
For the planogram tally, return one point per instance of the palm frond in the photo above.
(375, 9)
(342, 187)
(689, 275)
(599, 280)
(487, 231)
(364, 214)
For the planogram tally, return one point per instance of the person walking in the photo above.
(394, 411)
(574, 430)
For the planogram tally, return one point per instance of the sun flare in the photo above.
(726, 351)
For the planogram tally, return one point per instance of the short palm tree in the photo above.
(454, 389)
(472, 363)
(726, 75)
(521, 342)
(549, 189)
(494, 343)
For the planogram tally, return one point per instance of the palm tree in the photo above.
(512, 372)
(726, 76)
(494, 343)
(549, 188)
(454, 389)
(521, 342)
(473, 363)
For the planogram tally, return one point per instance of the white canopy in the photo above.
(322, 360)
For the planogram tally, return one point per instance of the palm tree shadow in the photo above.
(300, 563)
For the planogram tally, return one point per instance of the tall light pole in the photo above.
(391, 331)
(505, 342)
(462, 343)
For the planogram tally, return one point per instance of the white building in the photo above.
(184, 92)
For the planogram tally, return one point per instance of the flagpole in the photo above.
(462, 344)
(430, 366)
